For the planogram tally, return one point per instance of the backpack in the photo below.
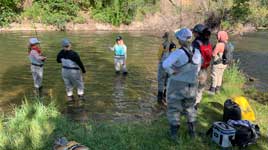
(246, 133)
(189, 54)
(246, 110)
(206, 52)
(231, 111)
(227, 56)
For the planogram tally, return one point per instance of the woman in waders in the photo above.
(183, 66)
(120, 55)
(71, 74)
(37, 63)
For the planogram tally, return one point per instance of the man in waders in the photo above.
(201, 42)
(165, 49)
(37, 63)
(183, 66)
(120, 55)
(71, 74)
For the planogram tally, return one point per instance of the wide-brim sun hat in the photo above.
(184, 34)
(34, 41)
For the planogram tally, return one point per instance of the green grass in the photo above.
(35, 126)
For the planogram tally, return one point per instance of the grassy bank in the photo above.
(35, 126)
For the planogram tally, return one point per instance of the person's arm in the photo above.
(112, 48)
(37, 56)
(170, 61)
(79, 62)
(219, 48)
(59, 56)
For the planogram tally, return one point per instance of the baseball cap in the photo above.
(184, 34)
(34, 41)
(65, 42)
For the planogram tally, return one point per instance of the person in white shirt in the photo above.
(183, 66)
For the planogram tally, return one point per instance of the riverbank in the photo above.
(34, 126)
(161, 16)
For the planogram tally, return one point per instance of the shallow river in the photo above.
(108, 96)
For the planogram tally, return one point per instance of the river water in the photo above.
(107, 96)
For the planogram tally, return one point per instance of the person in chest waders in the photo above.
(71, 74)
(37, 63)
(183, 66)
(164, 51)
(120, 55)
(202, 42)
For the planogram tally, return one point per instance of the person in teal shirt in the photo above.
(120, 55)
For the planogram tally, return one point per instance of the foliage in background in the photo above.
(221, 13)
(118, 12)
(8, 11)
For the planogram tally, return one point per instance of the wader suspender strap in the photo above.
(189, 55)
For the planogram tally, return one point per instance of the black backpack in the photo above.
(246, 133)
(227, 57)
(231, 111)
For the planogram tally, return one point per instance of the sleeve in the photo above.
(169, 62)
(59, 56)
(78, 61)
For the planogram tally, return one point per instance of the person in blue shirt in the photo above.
(120, 55)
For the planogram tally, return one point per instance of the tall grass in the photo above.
(35, 126)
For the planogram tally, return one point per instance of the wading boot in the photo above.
(117, 72)
(81, 97)
(174, 133)
(211, 91)
(160, 98)
(70, 98)
(191, 129)
(125, 73)
(217, 89)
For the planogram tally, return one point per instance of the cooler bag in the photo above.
(223, 134)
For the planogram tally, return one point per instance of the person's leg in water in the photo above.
(68, 84)
(117, 65)
(124, 67)
(37, 73)
(79, 84)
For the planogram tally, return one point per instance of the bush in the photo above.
(8, 11)
(121, 11)
(258, 13)
(54, 12)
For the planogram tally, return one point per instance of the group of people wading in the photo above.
(182, 72)
(72, 66)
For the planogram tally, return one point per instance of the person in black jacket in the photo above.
(71, 74)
